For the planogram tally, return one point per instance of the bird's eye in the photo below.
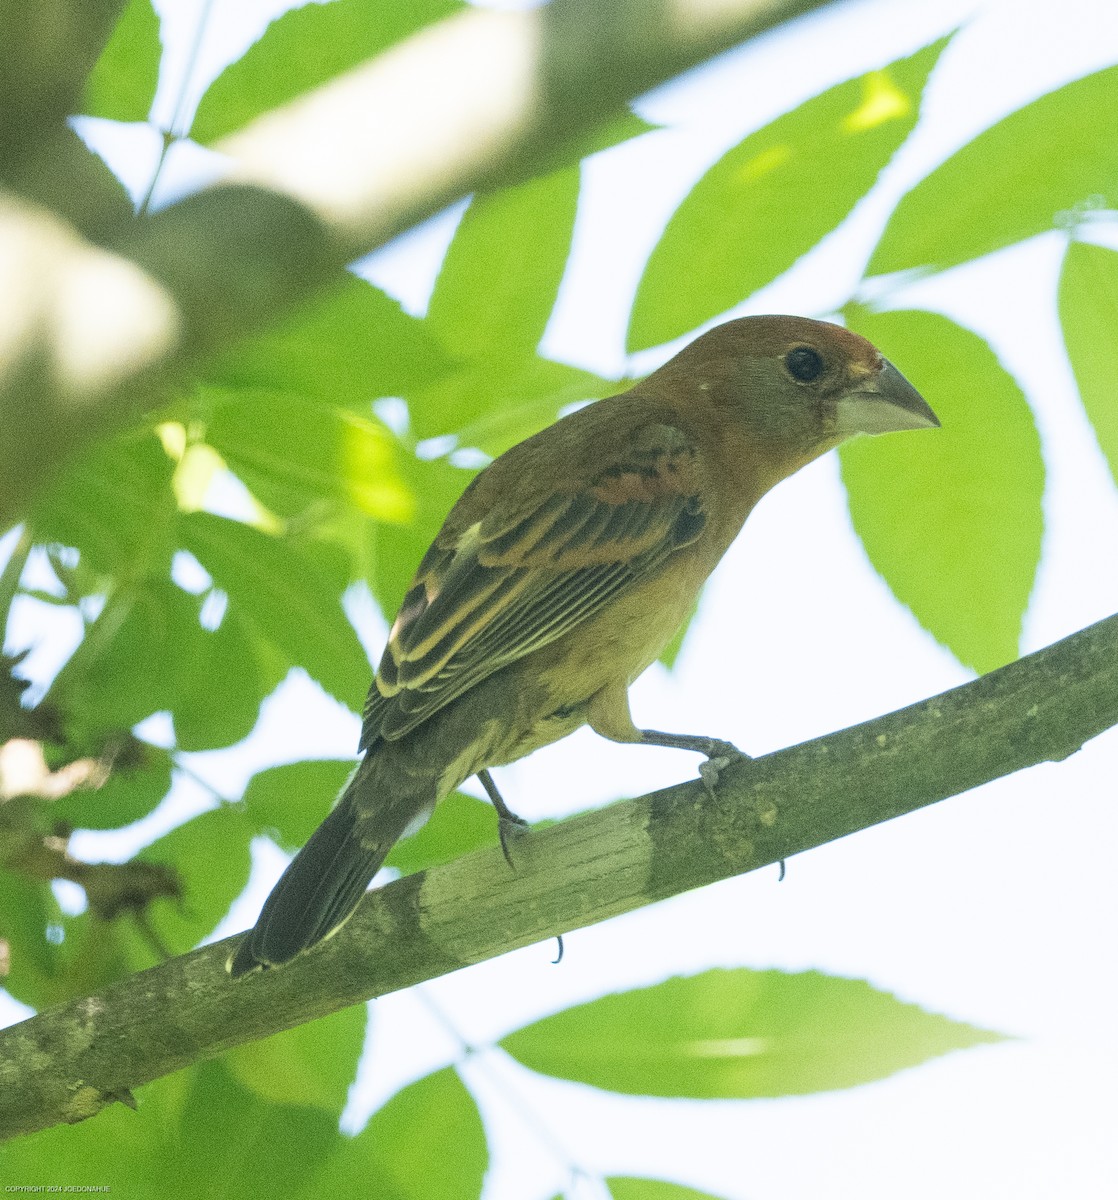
(804, 364)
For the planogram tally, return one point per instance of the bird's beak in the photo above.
(884, 403)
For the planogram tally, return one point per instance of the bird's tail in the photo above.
(325, 881)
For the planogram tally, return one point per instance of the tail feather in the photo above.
(323, 883)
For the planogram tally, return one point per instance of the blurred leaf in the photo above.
(126, 796)
(313, 1063)
(622, 128)
(951, 518)
(459, 824)
(210, 855)
(671, 651)
(499, 280)
(92, 199)
(493, 405)
(26, 910)
(123, 1150)
(303, 48)
(739, 1033)
(129, 662)
(293, 453)
(628, 1188)
(397, 549)
(229, 1142)
(347, 347)
(1088, 299)
(220, 688)
(748, 220)
(293, 800)
(426, 1143)
(121, 86)
(115, 505)
(1025, 175)
(291, 596)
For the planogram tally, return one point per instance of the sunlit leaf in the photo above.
(499, 280)
(313, 1063)
(114, 505)
(281, 65)
(738, 1033)
(289, 594)
(289, 802)
(347, 347)
(494, 404)
(628, 1188)
(459, 824)
(1036, 170)
(1089, 316)
(426, 1143)
(951, 518)
(121, 86)
(773, 196)
(220, 687)
(293, 453)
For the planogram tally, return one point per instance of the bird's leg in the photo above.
(505, 815)
(719, 753)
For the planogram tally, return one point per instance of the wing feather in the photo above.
(516, 581)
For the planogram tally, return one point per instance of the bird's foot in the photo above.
(507, 820)
(720, 755)
(509, 827)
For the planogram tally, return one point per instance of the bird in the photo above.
(560, 575)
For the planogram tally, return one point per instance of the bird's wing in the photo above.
(523, 576)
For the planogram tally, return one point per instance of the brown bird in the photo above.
(561, 574)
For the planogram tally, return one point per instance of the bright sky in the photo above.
(991, 907)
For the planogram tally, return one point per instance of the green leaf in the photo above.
(293, 454)
(127, 795)
(289, 595)
(739, 1033)
(458, 825)
(197, 1133)
(624, 1187)
(671, 651)
(33, 960)
(131, 658)
(771, 198)
(210, 855)
(397, 549)
(952, 518)
(115, 505)
(495, 404)
(500, 278)
(1088, 300)
(291, 801)
(426, 1143)
(121, 86)
(1023, 176)
(313, 1063)
(304, 48)
(348, 347)
(220, 688)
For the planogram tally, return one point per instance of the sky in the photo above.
(988, 907)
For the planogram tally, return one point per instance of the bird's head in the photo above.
(798, 387)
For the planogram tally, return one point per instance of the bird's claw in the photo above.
(509, 825)
(720, 755)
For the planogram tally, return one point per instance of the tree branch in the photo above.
(90, 334)
(68, 1063)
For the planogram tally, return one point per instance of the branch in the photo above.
(89, 335)
(68, 1063)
